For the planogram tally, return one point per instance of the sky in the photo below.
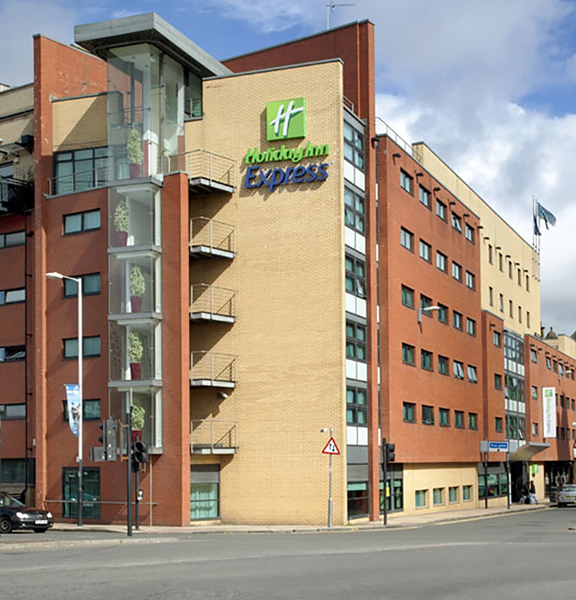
(489, 85)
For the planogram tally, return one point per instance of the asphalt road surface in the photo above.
(524, 556)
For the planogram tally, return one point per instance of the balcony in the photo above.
(211, 239)
(210, 369)
(207, 172)
(16, 196)
(211, 303)
(81, 181)
(211, 436)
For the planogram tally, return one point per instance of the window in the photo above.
(425, 302)
(470, 326)
(355, 277)
(408, 354)
(470, 280)
(90, 347)
(499, 424)
(535, 429)
(441, 210)
(12, 296)
(443, 314)
(442, 262)
(409, 412)
(438, 496)
(472, 374)
(90, 410)
(548, 363)
(497, 338)
(491, 296)
(356, 411)
(355, 341)
(12, 353)
(527, 283)
(510, 269)
(456, 271)
(501, 303)
(533, 355)
(83, 221)
(500, 261)
(407, 297)
(456, 222)
(459, 419)
(519, 277)
(406, 182)
(466, 493)
(80, 170)
(353, 146)
(14, 238)
(205, 496)
(469, 233)
(519, 314)
(427, 415)
(453, 494)
(9, 412)
(443, 365)
(90, 492)
(511, 308)
(534, 393)
(472, 421)
(407, 239)
(421, 498)
(458, 369)
(90, 286)
(425, 251)
(457, 320)
(444, 417)
(497, 381)
(354, 211)
(490, 254)
(426, 360)
(424, 196)
(528, 319)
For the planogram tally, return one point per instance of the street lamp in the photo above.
(426, 309)
(78, 280)
(330, 470)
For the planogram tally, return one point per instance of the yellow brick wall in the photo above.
(289, 274)
(79, 123)
(16, 99)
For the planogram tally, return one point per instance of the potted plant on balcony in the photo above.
(121, 222)
(135, 352)
(138, 414)
(135, 154)
(137, 288)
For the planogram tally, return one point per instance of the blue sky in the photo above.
(489, 85)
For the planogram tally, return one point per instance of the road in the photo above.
(524, 556)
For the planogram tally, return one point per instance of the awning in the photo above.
(527, 451)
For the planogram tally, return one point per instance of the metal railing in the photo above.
(213, 435)
(213, 366)
(205, 165)
(81, 181)
(348, 103)
(213, 234)
(382, 128)
(205, 298)
(15, 193)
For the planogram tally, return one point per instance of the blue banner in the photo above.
(73, 401)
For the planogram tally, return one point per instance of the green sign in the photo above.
(285, 119)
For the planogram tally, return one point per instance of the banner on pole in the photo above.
(549, 412)
(73, 402)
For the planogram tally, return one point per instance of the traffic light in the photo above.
(138, 454)
(109, 439)
(390, 453)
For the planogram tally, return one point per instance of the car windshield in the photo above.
(7, 500)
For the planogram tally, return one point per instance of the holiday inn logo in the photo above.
(285, 119)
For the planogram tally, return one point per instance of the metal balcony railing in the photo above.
(203, 166)
(211, 369)
(211, 436)
(81, 181)
(15, 195)
(211, 303)
(212, 238)
(382, 128)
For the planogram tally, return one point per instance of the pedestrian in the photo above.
(533, 499)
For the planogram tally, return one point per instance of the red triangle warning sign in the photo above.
(331, 447)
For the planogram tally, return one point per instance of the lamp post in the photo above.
(426, 309)
(78, 280)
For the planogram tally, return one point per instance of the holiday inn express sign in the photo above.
(285, 120)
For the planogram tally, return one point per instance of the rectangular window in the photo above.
(510, 269)
(499, 424)
(466, 493)
(357, 499)
(472, 421)
(497, 381)
(470, 280)
(470, 326)
(459, 419)
(90, 492)
(421, 498)
(534, 393)
(407, 239)
(425, 302)
(354, 212)
(90, 286)
(12, 296)
(535, 429)
(457, 320)
(424, 196)
(469, 233)
(204, 498)
(443, 365)
(441, 210)
(491, 296)
(458, 369)
(453, 494)
(528, 319)
(511, 307)
(456, 222)
(408, 354)
(406, 182)
(442, 262)
(90, 410)
(12, 412)
(533, 356)
(426, 360)
(407, 297)
(356, 402)
(527, 283)
(409, 412)
(443, 314)
(500, 262)
(425, 251)
(519, 277)
(472, 374)
(501, 303)
(519, 314)
(90, 347)
(80, 170)
(427, 415)
(14, 238)
(438, 496)
(353, 146)
(497, 339)
(548, 362)
(444, 417)
(83, 221)
(12, 353)
(456, 271)
(355, 341)
(355, 276)
(490, 254)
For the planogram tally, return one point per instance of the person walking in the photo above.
(533, 499)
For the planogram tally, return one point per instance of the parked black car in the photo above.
(15, 515)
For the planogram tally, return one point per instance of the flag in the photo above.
(74, 406)
(544, 214)
(536, 228)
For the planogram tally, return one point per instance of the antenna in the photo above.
(331, 7)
